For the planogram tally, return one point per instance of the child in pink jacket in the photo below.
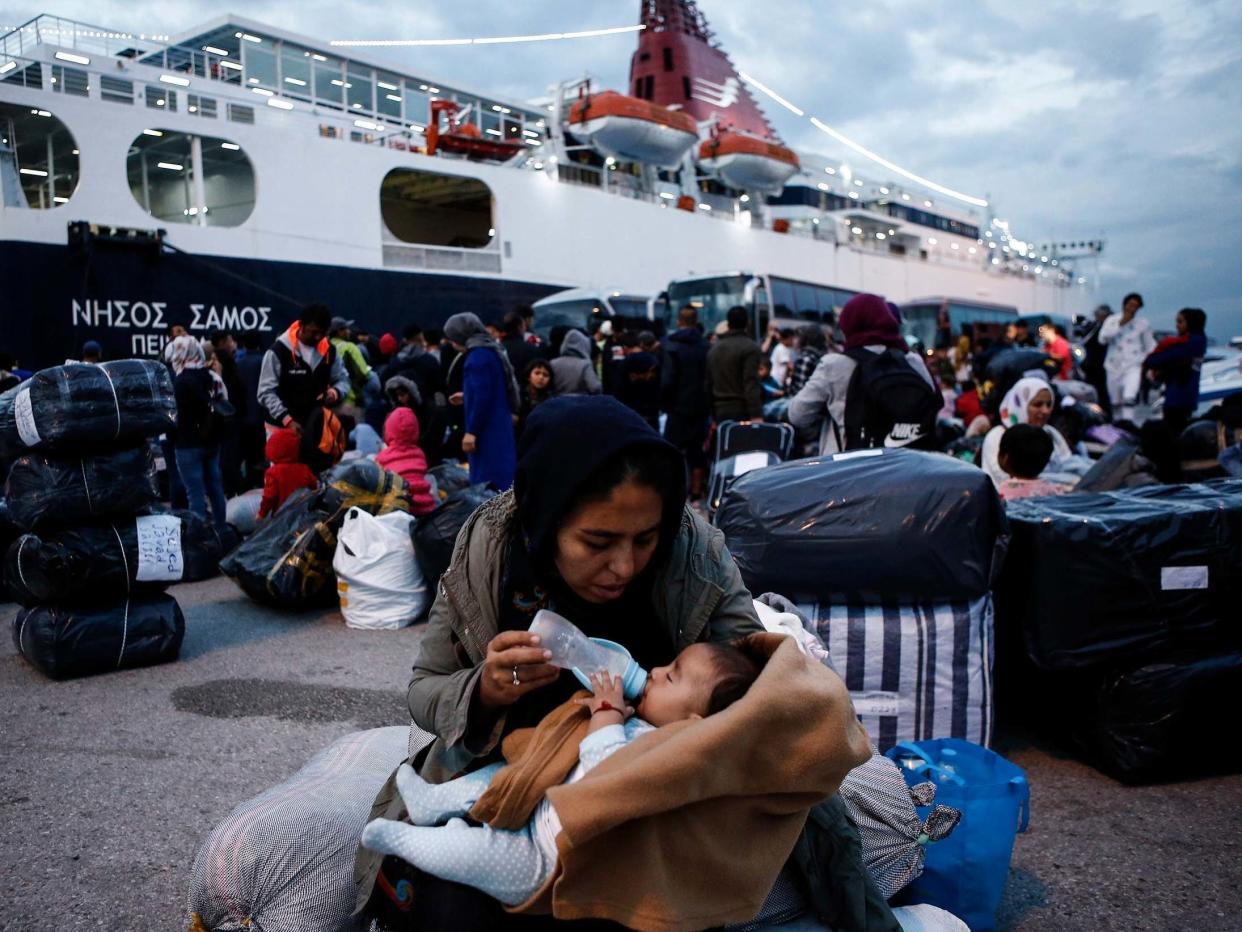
(405, 457)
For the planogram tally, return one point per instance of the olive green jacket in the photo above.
(698, 595)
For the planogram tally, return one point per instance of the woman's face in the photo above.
(539, 378)
(1182, 327)
(1039, 409)
(604, 545)
(404, 398)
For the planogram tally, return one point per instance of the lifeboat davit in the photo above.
(463, 138)
(633, 129)
(747, 162)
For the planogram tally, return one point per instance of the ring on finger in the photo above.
(516, 681)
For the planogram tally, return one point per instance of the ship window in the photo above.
(329, 83)
(160, 99)
(260, 66)
(416, 108)
(668, 59)
(203, 106)
(70, 81)
(358, 88)
(638, 87)
(685, 86)
(436, 210)
(388, 95)
(39, 155)
(649, 87)
(162, 180)
(30, 76)
(295, 73)
(240, 113)
(117, 90)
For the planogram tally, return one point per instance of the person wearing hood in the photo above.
(489, 398)
(286, 474)
(1030, 401)
(572, 372)
(301, 371)
(596, 528)
(683, 390)
(1176, 362)
(403, 455)
(866, 323)
(197, 441)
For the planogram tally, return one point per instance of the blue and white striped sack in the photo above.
(915, 669)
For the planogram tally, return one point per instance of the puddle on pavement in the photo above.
(292, 701)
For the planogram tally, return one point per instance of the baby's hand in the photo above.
(608, 696)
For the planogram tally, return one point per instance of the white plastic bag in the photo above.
(378, 580)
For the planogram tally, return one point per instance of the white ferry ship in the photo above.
(225, 177)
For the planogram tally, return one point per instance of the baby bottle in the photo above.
(574, 651)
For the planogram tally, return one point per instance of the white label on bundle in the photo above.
(745, 462)
(856, 454)
(159, 549)
(23, 414)
(876, 703)
(1183, 577)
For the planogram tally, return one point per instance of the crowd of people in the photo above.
(249, 410)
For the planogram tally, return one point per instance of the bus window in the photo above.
(807, 305)
(711, 297)
(566, 314)
(784, 303)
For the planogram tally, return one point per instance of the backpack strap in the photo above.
(855, 403)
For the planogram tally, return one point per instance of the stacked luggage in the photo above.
(96, 554)
(892, 554)
(741, 448)
(1122, 614)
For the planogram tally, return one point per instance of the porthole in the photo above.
(432, 209)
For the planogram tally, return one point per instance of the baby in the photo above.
(510, 866)
(1024, 454)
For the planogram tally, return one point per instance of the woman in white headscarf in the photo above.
(197, 441)
(1030, 401)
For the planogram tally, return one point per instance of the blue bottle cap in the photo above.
(633, 681)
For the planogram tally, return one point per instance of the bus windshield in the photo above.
(711, 297)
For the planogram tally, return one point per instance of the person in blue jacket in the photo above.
(490, 397)
(1177, 363)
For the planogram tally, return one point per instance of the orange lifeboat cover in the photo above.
(728, 143)
(613, 104)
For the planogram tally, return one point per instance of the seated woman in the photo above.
(1028, 402)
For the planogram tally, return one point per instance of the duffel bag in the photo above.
(65, 642)
(112, 560)
(866, 523)
(77, 408)
(436, 533)
(53, 490)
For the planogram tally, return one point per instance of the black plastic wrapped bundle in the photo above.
(107, 561)
(868, 524)
(79, 408)
(48, 490)
(435, 534)
(1118, 577)
(287, 561)
(65, 642)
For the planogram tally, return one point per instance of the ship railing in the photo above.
(73, 34)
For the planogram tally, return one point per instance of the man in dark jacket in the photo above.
(519, 351)
(302, 371)
(638, 377)
(733, 372)
(250, 412)
(683, 390)
(1095, 351)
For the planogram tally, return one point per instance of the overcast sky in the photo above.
(1120, 118)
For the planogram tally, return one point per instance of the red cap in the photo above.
(388, 344)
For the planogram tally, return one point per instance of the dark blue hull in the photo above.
(55, 298)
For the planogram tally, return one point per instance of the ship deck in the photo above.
(110, 783)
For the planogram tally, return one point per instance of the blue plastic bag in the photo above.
(966, 872)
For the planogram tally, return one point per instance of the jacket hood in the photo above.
(283, 446)
(576, 343)
(567, 440)
(401, 428)
(400, 381)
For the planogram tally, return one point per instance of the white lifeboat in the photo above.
(633, 129)
(747, 162)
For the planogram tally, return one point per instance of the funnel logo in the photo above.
(718, 95)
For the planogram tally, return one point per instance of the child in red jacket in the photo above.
(405, 457)
(286, 474)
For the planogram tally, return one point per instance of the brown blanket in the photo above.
(688, 826)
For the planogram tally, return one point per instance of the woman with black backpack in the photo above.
(202, 410)
(877, 393)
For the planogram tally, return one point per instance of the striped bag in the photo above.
(915, 669)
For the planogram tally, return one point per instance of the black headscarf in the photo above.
(567, 442)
